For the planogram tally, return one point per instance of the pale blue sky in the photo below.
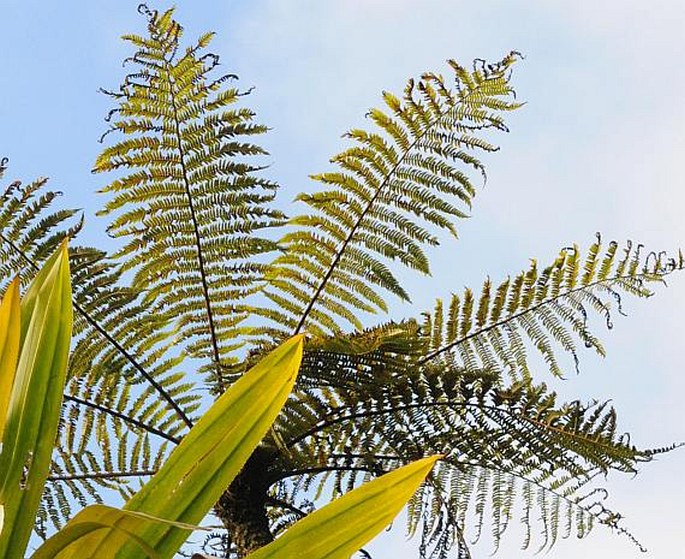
(598, 147)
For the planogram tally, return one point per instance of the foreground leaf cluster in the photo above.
(156, 521)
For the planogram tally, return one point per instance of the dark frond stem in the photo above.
(439, 404)
(463, 550)
(198, 239)
(123, 417)
(101, 475)
(349, 455)
(365, 415)
(147, 376)
(439, 351)
(274, 502)
(323, 469)
(158, 387)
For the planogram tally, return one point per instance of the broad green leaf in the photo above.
(9, 347)
(34, 402)
(31, 299)
(99, 518)
(9, 353)
(342, 527)
(201, 468)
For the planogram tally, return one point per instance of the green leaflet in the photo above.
(344, 526)
(34, 402)
(204, 464)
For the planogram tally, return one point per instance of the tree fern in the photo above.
(189, 202)
(198, 274)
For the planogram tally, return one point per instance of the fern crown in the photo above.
(209, 274)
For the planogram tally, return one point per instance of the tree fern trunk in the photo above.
(242, 507)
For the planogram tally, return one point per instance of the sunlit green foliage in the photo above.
(206, 267)
(188, 201)
(35, 336)
(411, 171)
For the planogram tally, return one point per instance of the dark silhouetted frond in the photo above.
(508, 449)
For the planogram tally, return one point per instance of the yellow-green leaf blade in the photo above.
(35, 401)
(78, 534)
(342, 527)
(214, 451)
(10, 322)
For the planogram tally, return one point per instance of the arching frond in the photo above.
(28, 228)
(392, 187)
(543, 311)
(505, 446)
(188, 200)
(124, 380)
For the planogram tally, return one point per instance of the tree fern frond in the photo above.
(187, 198)
(121, 354)
(538, 309)
(30, 230)
(497, 441)
(412, 166)
(80, 478)
(27, 229)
